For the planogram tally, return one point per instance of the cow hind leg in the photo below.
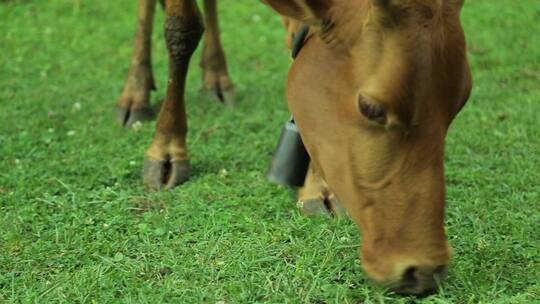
(314, 198)
(167, 160)
(134, 103)
(216, 80)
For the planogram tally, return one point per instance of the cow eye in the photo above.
(372, 110)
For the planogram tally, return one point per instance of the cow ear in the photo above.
(309, 11)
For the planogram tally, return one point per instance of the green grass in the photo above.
(76, 225)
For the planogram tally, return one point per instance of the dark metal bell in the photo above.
(291, 160)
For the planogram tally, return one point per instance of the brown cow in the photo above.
(373, 92)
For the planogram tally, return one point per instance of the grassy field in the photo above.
(77, 226)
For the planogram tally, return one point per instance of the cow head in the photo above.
(373, 92)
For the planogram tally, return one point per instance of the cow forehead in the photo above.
(346, 11)
(348, 20)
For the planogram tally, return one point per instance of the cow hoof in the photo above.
(333, 204)
(126, 117)
(313, 207)
(322, 206)
(165, 175)
(225, 96)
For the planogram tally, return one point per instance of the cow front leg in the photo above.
(167, 160)
(314, 198)
(134, 103)
(216, 80)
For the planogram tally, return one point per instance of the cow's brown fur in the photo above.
(405, 59)
(373, 92)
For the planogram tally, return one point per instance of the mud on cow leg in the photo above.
(167, 160)
(314, 198)
(216, 80)
(134, 103)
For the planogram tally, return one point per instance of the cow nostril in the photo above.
(421, 280)
(409, 276)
